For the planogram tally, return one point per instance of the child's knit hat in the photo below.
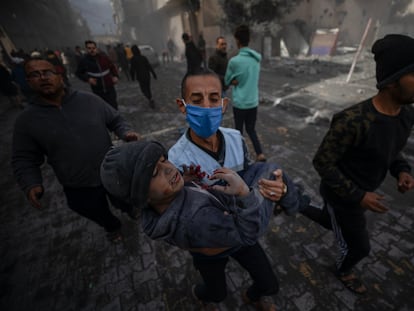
(126, 170)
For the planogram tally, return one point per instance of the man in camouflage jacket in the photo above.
(363, 143)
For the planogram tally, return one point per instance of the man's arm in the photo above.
(112, 68)
(26, 160)
(401, 170)
(232, 73)
(117, 124)
(399, 165)
(212, 64)
(335, 144)
(81, 71)
(273, 189)
(150, 69)
(229, 76)
(405, 182)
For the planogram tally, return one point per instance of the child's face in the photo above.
(165, 183)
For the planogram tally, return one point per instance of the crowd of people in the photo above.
(88, 63)
(205, 194)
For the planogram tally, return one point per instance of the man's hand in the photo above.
(34, 195)
(132, 136)
(273, 189)
(235, 184)
(115, 80)
(405, 182)
(372, 202)
(92, 81)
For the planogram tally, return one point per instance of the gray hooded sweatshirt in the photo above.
(200, 218)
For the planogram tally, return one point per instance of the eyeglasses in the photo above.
(41, 73)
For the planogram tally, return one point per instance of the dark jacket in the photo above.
(74, 138)
(193, 57)
(100, 68)
(19, 76)
(218, 63)
(141, 68)
(360, 147)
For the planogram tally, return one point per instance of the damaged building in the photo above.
(41, 24)
(326, 24)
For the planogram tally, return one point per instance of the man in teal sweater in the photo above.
(243, 74)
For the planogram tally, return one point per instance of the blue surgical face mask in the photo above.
(204, 121)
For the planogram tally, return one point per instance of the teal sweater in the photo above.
(245, 68)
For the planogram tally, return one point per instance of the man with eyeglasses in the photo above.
(101, 74)
(70, 129)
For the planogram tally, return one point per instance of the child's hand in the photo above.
(193, 173)
(235, 184)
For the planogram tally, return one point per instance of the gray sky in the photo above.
(96, 13)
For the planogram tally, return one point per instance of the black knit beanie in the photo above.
(126, 170)
(394, 57)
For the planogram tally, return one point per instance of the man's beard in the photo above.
(406, 96)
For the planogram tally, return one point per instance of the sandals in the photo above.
(352, 282)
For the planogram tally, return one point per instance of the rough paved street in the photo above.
(55, 260)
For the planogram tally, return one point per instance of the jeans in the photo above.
(247, 117)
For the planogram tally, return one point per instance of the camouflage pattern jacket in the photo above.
(358, 150)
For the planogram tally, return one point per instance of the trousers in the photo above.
(92, 203)
(252, 258)
(145, 86)
(247, 118)
(109, 96)
(350, 230)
